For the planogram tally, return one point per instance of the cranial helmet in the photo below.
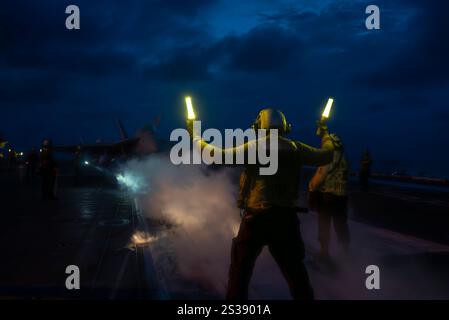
(272, 119)
(47, 143)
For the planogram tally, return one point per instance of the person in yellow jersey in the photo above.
(328, 197)
(269, 206)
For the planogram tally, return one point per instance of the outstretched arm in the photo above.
(201, 145)
(317, 157)
(311, 156)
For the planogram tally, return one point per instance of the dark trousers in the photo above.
(48, 186)
(279, 229)
(31, 170)
(331, 208)
(364, 180)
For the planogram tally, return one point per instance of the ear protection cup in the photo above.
(287, 127)
(256, 123)
(283, 126)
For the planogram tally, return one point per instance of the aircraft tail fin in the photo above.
(156, 123)
(123, 133)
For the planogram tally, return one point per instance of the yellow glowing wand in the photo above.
(327, 109)
(324, 117)
(190, 112)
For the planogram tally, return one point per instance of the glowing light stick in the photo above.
(327, 109)
(190, 112)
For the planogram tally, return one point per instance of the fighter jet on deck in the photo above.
(144, 143)
(3, 143)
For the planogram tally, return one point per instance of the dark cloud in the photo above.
(422, 62)
(188, 64)
(264, 48)
(383, 103)
(441, 116)
(187, 8)
(96, 62)
(28, 91)
(136, 58)
(114, 40)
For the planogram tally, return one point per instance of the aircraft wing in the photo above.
(67, 148)
(122, 147)
(127, 146)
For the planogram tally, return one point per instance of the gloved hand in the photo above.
(322, 129)
(189, 126)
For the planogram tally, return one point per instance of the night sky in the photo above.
(137, 59)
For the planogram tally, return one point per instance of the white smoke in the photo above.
(201, 205)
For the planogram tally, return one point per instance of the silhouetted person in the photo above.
(328, 197)
(48, 170)
(31, 162)
(77, 157)
(12, 158)
(365, 170)
(269, 204)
